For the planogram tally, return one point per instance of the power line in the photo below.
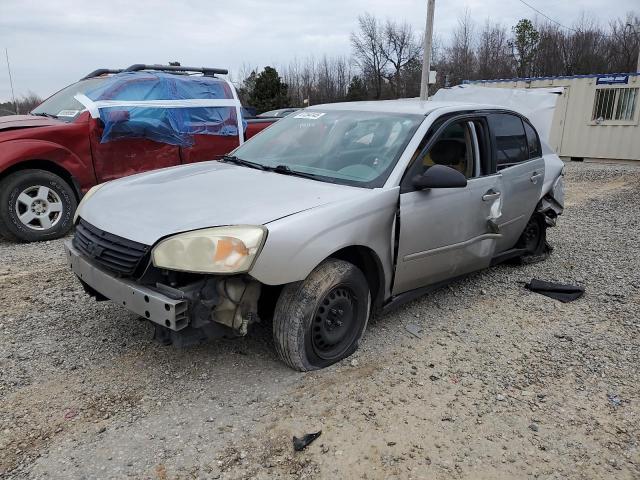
(547, 16)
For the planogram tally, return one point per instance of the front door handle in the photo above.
(490, 195)
(536, 176)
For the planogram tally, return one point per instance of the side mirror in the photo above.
(440, 176)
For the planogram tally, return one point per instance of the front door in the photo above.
(126, 156)
(445, 233)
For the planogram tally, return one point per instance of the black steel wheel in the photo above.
(335, 323)
(534, 240)
(319, 321)
(532, 235)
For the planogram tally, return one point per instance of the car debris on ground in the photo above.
(303, 442)
(558, 291)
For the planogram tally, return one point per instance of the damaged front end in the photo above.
(185, 308)
(217, 306)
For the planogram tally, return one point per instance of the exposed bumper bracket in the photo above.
(146, 302)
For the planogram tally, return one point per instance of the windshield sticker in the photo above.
(309, 115)
(67, 113)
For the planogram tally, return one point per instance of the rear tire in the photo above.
(35, 205)
(320, 320)
(534, 240)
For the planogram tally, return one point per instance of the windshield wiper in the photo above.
(286, 170)
(245, 163)
(42, 114)
(282, 169)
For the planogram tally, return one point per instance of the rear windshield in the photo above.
(62, 105)
(348, 147)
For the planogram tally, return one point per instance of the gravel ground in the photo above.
(503, 383)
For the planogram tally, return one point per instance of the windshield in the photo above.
(62, 105)
(347, 147)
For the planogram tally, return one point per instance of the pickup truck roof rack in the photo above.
(207, 71)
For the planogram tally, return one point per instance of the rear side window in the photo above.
(511, 140)
(534, 142)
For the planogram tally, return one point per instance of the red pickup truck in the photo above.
(51, 157)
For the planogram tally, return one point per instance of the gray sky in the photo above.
(53, 43)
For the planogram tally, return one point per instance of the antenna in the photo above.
(13, 95)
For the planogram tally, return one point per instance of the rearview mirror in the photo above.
(440, 176)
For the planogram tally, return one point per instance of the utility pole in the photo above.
(13, 95)
(636, 30)
(426, 59)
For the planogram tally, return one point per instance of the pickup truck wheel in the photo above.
(320, 321)
(35, 205)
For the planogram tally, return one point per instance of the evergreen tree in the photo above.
(357, 90)
(269, 92)
(524, 45)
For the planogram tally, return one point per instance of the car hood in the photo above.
(12, 122)
(150, 206)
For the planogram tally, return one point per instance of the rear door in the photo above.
(126, 156)
(518, 157)
(445, 233)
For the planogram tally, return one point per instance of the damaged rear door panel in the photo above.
(519, 161)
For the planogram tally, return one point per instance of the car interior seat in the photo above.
(449, 152)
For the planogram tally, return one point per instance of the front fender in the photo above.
(298, 243)
(15, 152)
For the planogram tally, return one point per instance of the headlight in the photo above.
(211, 250)
(86, 197)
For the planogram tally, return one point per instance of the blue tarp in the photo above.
(175, 126)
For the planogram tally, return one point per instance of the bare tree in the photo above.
(368, 49)
(400, 48)
(585, 48)
(550, 54)
(461, 62)
(493, 56)
(622, 44)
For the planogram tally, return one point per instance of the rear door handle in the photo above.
(536, 176)
(490, 195)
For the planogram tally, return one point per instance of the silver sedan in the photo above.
(331, 215)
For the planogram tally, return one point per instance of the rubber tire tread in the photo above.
(297, 302)
(9, 230)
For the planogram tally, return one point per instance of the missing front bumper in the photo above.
(146, 302)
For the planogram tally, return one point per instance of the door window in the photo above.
(483, 162)
(454, 148)
(533, 141)
(511, 140)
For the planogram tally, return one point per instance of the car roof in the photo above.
(406, 105)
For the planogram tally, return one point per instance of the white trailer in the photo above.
(595, 117)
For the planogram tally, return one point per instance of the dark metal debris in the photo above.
(558, 291)
(300, 444)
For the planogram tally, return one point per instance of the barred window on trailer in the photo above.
(615, 104)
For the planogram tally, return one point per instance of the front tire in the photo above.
(320, 320)
(35, 205)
